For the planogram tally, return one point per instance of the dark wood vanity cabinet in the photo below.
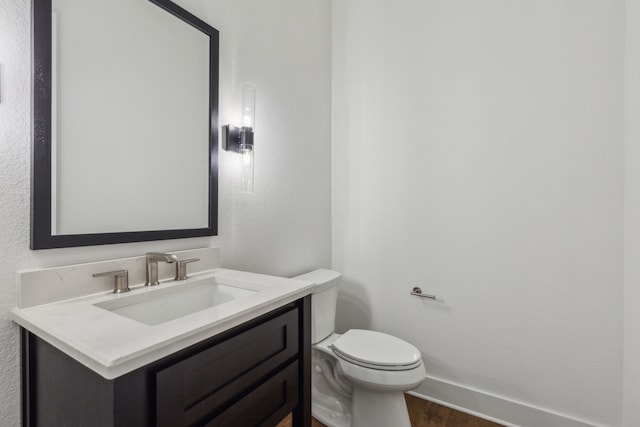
(252, 375)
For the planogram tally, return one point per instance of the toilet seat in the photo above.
(379, 377)
(376, 350)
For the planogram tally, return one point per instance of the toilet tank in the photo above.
(323, 302)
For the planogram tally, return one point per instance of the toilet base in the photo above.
(328, 406)
(379, 409)
(330, 418)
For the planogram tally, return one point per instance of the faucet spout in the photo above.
(152, 266)
(157, 256)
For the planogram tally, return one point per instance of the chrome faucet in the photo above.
(152, 266)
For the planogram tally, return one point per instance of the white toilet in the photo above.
(358, 378)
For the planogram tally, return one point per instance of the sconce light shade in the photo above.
(246, 150)
(240, 140)
(249, 106)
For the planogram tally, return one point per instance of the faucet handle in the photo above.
(181, 268)
(121, 277)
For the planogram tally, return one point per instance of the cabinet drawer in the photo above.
(267, 404)
(206, 384)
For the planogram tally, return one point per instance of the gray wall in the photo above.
(631, 414)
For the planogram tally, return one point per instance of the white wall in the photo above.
(478, 153)
(284, 228)
(631, 414)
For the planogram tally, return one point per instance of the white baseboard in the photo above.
(493, 408)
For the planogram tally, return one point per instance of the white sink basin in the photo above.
(159, 305)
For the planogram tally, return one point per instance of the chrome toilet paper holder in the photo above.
(418, 292)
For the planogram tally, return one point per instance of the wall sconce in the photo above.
(240, 140)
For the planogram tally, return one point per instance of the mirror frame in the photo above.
(41, 235)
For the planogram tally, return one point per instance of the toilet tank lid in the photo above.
(323, 278)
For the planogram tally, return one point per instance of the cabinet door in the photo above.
(199, 388)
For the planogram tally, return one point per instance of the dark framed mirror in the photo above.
(125, 123)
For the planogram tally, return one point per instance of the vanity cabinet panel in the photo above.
(251, 375)
(198, 387)
(52, 383)
(59, 391)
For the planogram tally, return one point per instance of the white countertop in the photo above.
(113, 345)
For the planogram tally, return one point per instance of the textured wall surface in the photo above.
(284, 228)
(478, 153)
(14, 190)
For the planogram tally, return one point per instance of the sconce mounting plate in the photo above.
(233, 137)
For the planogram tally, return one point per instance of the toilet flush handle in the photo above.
(418, 292)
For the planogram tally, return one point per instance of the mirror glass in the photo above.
(125, 120)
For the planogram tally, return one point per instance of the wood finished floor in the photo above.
(427, 414)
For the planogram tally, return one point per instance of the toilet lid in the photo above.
(376, 350)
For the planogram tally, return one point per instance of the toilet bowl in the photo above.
(359, 377)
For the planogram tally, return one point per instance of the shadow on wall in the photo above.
(353, 310)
